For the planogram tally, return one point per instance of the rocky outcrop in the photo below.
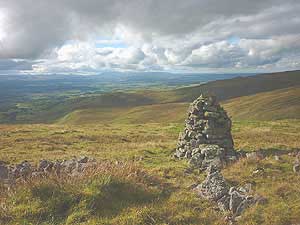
(25, 170)
(228, 198)
(206, 138)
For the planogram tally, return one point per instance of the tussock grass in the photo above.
(101, 192)
(113, 193)
(149, 187)
(277, 183)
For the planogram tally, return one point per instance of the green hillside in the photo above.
(157, 113)
(273, 105)
(241, 86)
(51, 109)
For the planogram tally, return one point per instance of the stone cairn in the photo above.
(206, 138)
(207, 143)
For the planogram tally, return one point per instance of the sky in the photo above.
(195, 36)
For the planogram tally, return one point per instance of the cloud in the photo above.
(149, 35)
(15, 65)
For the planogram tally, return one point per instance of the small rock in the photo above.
(45, 165)
(235, 200)
(277, 158)
(258, 170)
(3, 172)
(296, 168)
(254, 155)
(83, 159)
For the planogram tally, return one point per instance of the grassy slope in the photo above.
(168, 200)
(273, 105)
(156, 113)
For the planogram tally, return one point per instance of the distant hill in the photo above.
(266, 96)
(241, 86)
(135, 105)
(272, 105)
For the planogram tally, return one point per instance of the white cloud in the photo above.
(191, 35)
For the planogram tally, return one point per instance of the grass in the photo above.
(111, 194)
(130, 141)
(156, 113)
(273, 105)
(277, 183)
(147, 185)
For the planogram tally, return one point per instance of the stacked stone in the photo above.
(206, 138)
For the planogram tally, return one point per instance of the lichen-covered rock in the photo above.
(232, 199)
(206, 138)
(214, 187)
(45, 166)
(25, 170)
(22, 170)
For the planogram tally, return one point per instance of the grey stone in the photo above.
(296, 168)
(223, 203)
(214, 186)
(3, 172)
(22, 170)
(83, 159)
(235, 200)
(242, 206)
(45, 165)
(254, 155)
(207, 127)
(69, 165)
(196, 160)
